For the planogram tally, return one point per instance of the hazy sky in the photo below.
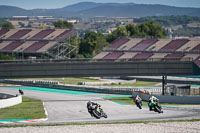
(31, 4)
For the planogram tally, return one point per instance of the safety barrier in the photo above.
(171, 99)
(10, 101)
(97, 89)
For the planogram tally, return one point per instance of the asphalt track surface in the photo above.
(70, 107)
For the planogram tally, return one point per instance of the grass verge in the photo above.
(70, 80)
(28, 109)
(96, 123)
(76, 81)
(138, 83)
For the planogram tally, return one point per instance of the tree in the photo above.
(63, 25)
(119, 32)
(146, 29)
(6, 57)
(7, 25)
(91, 44)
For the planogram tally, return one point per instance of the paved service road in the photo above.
(71, 107)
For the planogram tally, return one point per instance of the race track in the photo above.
(71, 107)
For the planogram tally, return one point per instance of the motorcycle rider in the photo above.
(152, 99)
(90, 107)
(138, 101)
(21, 92)
(137, 98)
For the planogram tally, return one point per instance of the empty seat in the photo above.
(113, 55)
(20, 34)
(128, 55)
(12, 46)
(101, 55)
(144, 44)
(3, 31)
(42, 34)
(174, 45)
(197, 61)
(196, 49)
(131, 43)
(116, 44)
(142, 56)
(36, 46)
(174, 56)
(65, 34)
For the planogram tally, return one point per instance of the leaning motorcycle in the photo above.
(138, 103)
(98, 112)
(156, 106)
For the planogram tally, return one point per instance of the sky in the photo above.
(52, 4)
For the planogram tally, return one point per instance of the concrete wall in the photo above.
(172, 99)
(96, 69)
(10, 101)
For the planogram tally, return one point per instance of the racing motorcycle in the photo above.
(138, 102)
(98, 112)
(156, 106)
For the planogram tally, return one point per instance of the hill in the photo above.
(90, 9)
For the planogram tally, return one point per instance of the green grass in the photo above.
(96, 123)
(138, 83)
(28, 109)
(74, 81)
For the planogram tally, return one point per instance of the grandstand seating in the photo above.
(158, 56)
(174, 45)
(113, 55)
(128, 55)
(64, 35)
(197, 61)
(142, 56)
(42, 34)
(158, 45)
(144, 44)
(131, 43)
(4, 44)
(19, 34)
(31, 34)
(54, 34)
(31, 41)
(25, 45)
(174, 56)
(8, 34)
(101, 55)
(36, 46)
(3, 31)
(46, 47)
(116, 44)
(12, 46)
(189, 45)
(191, 56)
(196, 49)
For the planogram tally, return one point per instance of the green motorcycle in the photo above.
(155, 105)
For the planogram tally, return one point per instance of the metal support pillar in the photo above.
(164, 82)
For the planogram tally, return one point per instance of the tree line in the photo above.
(93, 42)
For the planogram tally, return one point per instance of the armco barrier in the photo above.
(10, 101)
(172, 99)
(108, 90)
(100, 89)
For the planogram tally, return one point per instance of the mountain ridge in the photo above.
(92, 9)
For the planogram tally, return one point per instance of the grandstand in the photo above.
(36, 42)
(153, 49)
